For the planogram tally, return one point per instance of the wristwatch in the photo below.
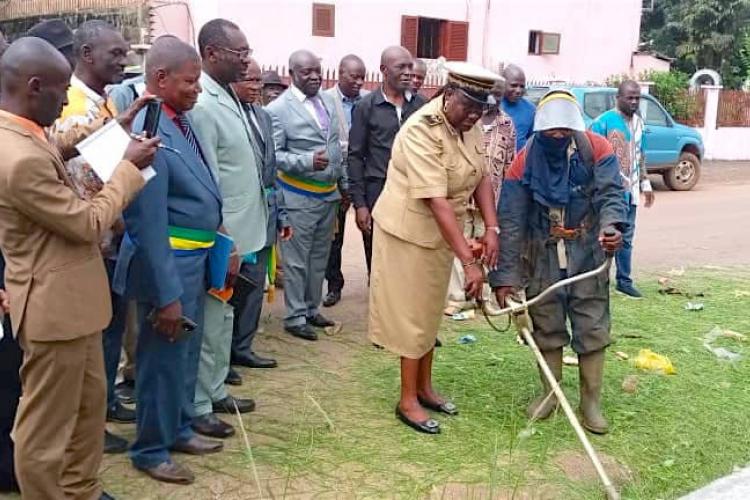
(493, 228)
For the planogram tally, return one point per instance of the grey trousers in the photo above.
(214, 363)
(305, 260)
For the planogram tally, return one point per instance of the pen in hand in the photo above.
(162, 146)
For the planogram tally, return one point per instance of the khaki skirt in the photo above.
(408, 284)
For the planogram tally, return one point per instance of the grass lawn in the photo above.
(674, 434)
(325, 426)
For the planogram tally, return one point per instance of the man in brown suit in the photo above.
(55, 277)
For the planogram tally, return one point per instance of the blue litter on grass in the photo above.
(467, 339)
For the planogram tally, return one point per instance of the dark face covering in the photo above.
(547, 170)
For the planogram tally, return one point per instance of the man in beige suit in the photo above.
(55, 277)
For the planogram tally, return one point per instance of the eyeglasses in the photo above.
(242, 54)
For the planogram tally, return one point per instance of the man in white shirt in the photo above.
(309, 159)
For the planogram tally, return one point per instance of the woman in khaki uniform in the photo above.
(437, 165)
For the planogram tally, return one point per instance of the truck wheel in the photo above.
(685, 175)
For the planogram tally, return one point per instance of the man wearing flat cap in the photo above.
(562, 208)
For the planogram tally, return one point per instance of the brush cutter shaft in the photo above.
(609, 488)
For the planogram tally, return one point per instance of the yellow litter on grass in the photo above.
(650, 361)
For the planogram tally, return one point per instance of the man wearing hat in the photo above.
(273, 87)
(562, 197)
(57, 33)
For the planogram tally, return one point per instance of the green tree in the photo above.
(700, 34)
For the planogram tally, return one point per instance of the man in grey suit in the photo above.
(346, 94)
(308, 154)
(248, 294)
(226, 141)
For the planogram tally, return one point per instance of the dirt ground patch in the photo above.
(577, 467)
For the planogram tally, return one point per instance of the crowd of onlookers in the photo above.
(111, 286)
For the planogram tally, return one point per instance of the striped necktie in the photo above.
(187, 130)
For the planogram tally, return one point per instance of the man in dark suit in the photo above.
(248, 299)
(163, 264)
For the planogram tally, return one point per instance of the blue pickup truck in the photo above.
(672, 150)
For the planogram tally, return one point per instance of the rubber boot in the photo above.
(591, 370)
(536, 409)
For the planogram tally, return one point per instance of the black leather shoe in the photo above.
(125, 391)
(198, 445)
(120, 414)
(302, 331)
(429, 426)
(106, 496)
(319, 321)
(114, 444)
(438, 343)
(254, 361)
(446, 407)
(212, 426)
(332, 299)
(227, 405)
(233, 378)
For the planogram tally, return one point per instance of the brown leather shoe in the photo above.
(171, 472)
(198, 445)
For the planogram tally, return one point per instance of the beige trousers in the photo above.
(59, 429)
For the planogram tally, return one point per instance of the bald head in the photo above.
(351, 76)
(35, 80)
(304, 68)
(515, 83)
(396, 64)
(628, 97)
(168, 54)
(173, 71)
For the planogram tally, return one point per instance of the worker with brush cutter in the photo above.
(562, 208)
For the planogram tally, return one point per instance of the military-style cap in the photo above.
(473, 80)
(559, 109)
(55, 31)
(271, 77)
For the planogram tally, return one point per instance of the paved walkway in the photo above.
(733, 487)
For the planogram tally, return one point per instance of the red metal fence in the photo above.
(734, 109)
(373, 79)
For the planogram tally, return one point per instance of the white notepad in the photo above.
(103, 150)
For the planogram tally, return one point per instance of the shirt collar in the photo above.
(408, 96)
(301, 97)
(25, 123)
(347, 99)
(168, 110)
(87, 91)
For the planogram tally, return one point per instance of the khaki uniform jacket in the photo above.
(54, 271)
(429, 160)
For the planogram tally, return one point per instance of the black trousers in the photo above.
(10, 391)
(373, 188)
(334, 276)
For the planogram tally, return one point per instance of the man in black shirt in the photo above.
(376, 120)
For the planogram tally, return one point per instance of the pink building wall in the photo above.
(597, 36)
(647, 62)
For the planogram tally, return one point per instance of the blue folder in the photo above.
(218, 260)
